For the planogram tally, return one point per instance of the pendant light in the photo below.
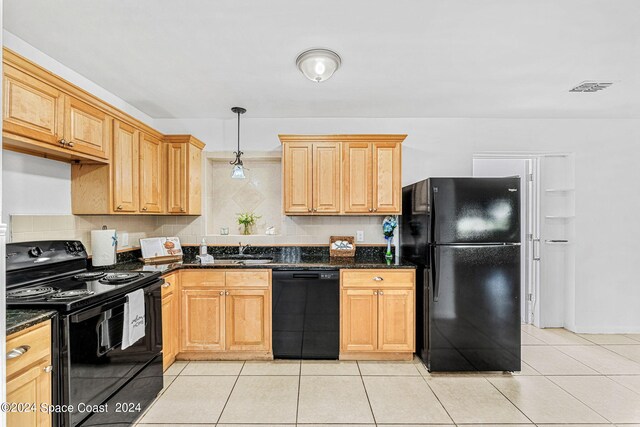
(318, 65)
(238, 168)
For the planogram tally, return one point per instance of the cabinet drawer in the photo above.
(248, 279)
(378, 279)
(38, 340)
(170, 285)
(193, 278)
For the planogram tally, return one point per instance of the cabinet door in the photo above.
(31, 109)
(177, 184)
(168, 323)
(387, 177)
(149, 174)
(248, 316)
(31, 386)
(359, 320)
(357, 177)
(326, 177)
(298, 176)
(203, 320)
(125, 167)
(87, 129)
(396, 320)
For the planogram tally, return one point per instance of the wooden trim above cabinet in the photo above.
(343, 138)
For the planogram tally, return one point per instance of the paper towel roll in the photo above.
(103, 247)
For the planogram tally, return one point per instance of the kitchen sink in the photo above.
(240, 261)
(251, 261)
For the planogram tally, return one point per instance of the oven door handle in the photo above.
(84, 315)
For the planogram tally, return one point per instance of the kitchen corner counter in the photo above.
(19, 319)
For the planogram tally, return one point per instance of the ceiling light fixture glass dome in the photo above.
(318, 65)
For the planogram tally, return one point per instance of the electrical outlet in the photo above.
(359, 236)
(124, 239)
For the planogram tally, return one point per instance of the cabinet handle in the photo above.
(378, 279)
(119, 207)
(63, 142)
(381, 293)
(48, 369)
(375, 292)
(70, 144)
(310, 210)
(375, 209)
(166, 284)
(315, 210)
(181, 209)
(18, 351)
(226, 292)
(144, 209)
(221, 292)
(370, 210)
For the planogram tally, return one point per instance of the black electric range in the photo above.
(91, 367)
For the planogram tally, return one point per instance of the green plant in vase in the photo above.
(247, 220)
(389, 225)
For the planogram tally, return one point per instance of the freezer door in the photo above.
(474, 309)
(475, 210)
(414, 226)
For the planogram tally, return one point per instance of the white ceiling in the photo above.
(420, 58)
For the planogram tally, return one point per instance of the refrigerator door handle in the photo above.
(434, 274)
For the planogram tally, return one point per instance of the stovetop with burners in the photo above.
(79, 290)
(54, 274)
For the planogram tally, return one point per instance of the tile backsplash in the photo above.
(78, 227)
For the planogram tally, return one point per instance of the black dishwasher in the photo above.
(306, 314)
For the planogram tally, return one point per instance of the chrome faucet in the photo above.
(241, 248)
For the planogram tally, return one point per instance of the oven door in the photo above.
(94, 364)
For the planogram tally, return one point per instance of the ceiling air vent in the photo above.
(591, 86)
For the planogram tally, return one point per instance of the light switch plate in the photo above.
(359, 236)
(124, 239)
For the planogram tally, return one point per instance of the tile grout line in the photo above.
(594, 369)
(623, 385)
(299, 384)
(437, 398)
(366, 393)
(230, 393)
(580, 400)
(509, 400)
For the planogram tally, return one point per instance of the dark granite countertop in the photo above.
(284, 258)
(19, 319)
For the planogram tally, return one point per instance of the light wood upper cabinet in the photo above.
(125, 167)
(29, 375)
(357, 177)
(387, 177)
(31, 108)
(342, 174)
(150, 176)
(183, 169)
(87, 129)
(247, 320)
(297, 164)
(326, 177)
(377, 311)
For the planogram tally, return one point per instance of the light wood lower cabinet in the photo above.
(225, 312)
(377, 312)
(170, 319)
(29, 374)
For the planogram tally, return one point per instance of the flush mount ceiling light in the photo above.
(591, 86)
(318, 65)
(238, 168)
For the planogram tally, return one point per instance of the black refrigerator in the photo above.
(464, 236)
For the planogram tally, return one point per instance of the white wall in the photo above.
(607, 203)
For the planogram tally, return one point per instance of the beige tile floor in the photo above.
(566, 378)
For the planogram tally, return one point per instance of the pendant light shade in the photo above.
(238, 169)
(318, 65)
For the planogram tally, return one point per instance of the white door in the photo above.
(501, 167)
